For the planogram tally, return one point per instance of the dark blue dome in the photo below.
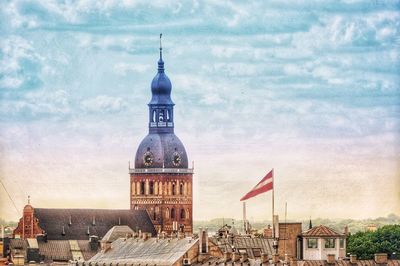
(161, 87)
(163, 148)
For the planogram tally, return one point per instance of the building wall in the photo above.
(170, 199)
(288, 234)
(28, 225)
(320, 253)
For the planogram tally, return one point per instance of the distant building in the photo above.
(161, 181)
(78, 224)
(372, 228)
(319, 242)
(62, 235)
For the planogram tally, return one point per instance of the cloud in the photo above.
(103, 104)
(37, 105)
(124, 68)
(19, 65)
(290, 84)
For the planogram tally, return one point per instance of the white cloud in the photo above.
(124, 68)
(103, 104)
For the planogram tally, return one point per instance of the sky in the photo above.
(309, 88)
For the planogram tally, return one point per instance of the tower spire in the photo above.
(160, 47)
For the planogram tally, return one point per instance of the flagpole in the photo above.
(273, 205)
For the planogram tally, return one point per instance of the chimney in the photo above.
(105, 246)
(275, 258)
(244, 257)
(330, 258)
(293, 262)
(264, 258)
(346, 230)
(287, 258)
(353, 258)
(235, 256)
(94, 243)
(381, 258)
(227, 256)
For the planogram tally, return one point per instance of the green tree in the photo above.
(365, 244)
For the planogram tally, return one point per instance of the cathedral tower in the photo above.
(161, 181)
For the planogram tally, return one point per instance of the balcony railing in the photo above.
(161, 170)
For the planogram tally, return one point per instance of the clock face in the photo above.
(148, 158)
(176, 159)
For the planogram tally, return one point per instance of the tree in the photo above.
(365, 244)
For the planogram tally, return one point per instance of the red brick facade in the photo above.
(28, 225)
(167, 197)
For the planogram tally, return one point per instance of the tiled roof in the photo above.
(55, 250)
(256, 262)
(87, 252)
(345, 263)
(85, 222)
(321, 231)
(264, 245)
(116, 232)
(152, 251)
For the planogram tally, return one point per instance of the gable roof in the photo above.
(145, 252)
(116, 232)
(321, 231)
(78, 224)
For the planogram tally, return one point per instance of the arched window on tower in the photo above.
(161, 116)
(168, 116)
(142, 186)
(172, 213)
(154, 116)
(183, 216)
(181, 188)
(151, 187)
(173, 189)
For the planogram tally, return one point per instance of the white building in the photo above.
(320, 241)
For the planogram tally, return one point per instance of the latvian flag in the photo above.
(266, 184)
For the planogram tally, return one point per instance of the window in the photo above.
(182, 214)
(154, 116)
(341, 243)
(257, 252)
(172, 213)
(330, 243)
(167, 213)
(181, 189)
(142, 185)
(173, 189)
(161, 116)
(151, 188)
(312, 243)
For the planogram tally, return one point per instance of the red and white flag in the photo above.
(266, 184)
